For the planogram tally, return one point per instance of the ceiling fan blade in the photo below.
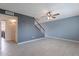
(53, 17)
(50, 11)
(56, 14)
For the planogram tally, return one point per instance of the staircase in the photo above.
(39, 26)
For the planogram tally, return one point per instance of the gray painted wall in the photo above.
(67, 28)
(26, 29)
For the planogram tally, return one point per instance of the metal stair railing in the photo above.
(39, 26)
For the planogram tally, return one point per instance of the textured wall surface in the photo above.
(67, 28)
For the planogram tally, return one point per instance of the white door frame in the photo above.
(3, 15)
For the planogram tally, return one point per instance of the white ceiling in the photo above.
(39, 9)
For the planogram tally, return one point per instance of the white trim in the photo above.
(63, 39)
(51, 37)
(30, 41)
(16, 29)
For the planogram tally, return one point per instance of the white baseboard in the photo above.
(30, 41)
(51, 37)
(63, 39)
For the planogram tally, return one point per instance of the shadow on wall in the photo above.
(67, 28)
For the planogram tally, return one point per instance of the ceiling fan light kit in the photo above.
(49, 18)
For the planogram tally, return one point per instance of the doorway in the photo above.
(8, 25)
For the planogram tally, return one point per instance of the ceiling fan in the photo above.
(50, 15)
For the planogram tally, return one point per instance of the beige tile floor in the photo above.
(42, 47)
